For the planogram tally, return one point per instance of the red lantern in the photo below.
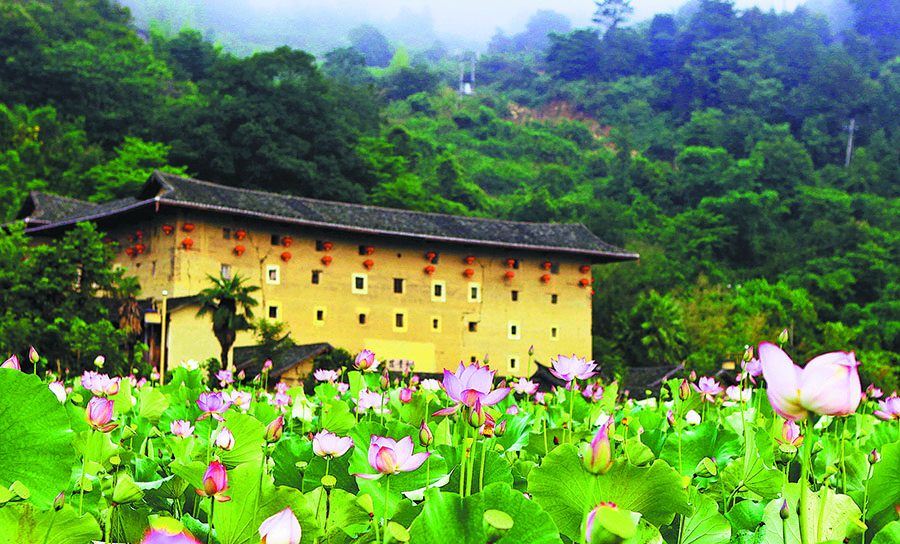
(286, 256)
(328, 246)
(239, 249)
(510, 275)
(140, 234)
(545, 278)
(468, 272)
(370, 250)
(240, 234)
(287, 241)
(326, 260)
(429, 270)
(547, 265)
(430, 256)
(130, 252)
(592, 292)
(585, 268)
(469, 260)
(140, 248)
(168, 228)
(510, 262)
(584, 282)
(187, 227)
(368, 263)
(187, 243)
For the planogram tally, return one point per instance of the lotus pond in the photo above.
(791, 455)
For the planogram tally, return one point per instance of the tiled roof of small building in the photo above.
(43, 208)
(171, 190)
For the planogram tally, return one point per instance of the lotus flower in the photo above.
(370, 399)
(524, 386)
(471, 384)
(430, 384)
(873, 392)
(11, 363)
(213, 404)
(827, 385)
(225, 377)
(215, 482)
(890, 408)
(753, 368)
(708, 388)
(324, 375)
(365, 361)
(389, 456)
(592, 515)
(224, 439)
(241, 399)
(406, 395)
(790, 434)
(100, 385)
(282, 528)
(59, 390)
(98, 413)
(163, 536)
(181, 428)
(326, 444)
(569, 368)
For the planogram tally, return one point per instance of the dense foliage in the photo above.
(712, 141)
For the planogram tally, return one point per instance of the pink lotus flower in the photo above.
(181, 428)
(342, 387)
(593, 392)
(365, 361)
(592, 515)
(282, 400)
(890, 408)
(163, 536)
(225, 377)
(100, 385)
(752, 368)
(282, 387)
(370, 399)
(241, 399)
(224, 439)
(597, 457)
(389, 456)
(213, 404)
(790, 434)
(406, 395)
(215, 482)
(513, 410)
(59, 390)
(324, 375)
(827, 385)
(267, 365)
(569, 368)
(430, 384)
(471, 384)
(524, 386)
(98, 413)
(282, 528)
(326, 444)
(873, 392)
(708, 388)
(11, 363)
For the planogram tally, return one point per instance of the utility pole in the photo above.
(851, 129)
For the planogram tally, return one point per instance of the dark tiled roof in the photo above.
(245, 358)
(43, 208)
(167, 189)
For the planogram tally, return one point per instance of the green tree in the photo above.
(230, 305)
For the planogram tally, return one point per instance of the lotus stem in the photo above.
(212, 508)
(804, 483)
(387, 502)
(866, 499)
(572, 385)
(484, 445)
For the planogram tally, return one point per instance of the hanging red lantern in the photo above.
(510, 275)
(187, 227)
(187, 243)
(140, 234)
(140, 248)
(130, 252)
(168, 229)
(510, 262)
(370, 250)
(240, 234)
(287, 241)
(368, 263)
(585, 268)
(430, 256)
(239, 249)
(468, 272)
(592, 292)
(547, 265)
(326, 260)
(545, 278)
(286, 256)
(328, 246)
(429, 270)
(469, 260)
(584, 282)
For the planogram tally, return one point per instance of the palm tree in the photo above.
(222, 300)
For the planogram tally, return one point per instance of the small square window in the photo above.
(398, 321)
(362, 319)
(360, 284)
(474, 293)
(554, 298)
(276, 240)
(273, 312)
(515, 264)
(316, 276)
(320, 315)
(514, 295)
(226, 234)
(366, 249)
(554, 333)
(473, 359)
(473, 326)
(436, 324)
(513, 364)
(554, 268)
(320, 245)
(438, 291)
(513, 330)
(272, 275)
(398, 285)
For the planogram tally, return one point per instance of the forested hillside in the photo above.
(714, 142)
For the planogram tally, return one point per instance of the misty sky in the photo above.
(478, 19)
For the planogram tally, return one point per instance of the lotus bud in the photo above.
(706, 468)
(693, 375)
(282, 528)
(33, 355)
(98, 413)
(531, 350)
(748, 354)
(242, 375)
(12, 363)
(59, 501)
(406, 395)
(783, 337)
(784, 512)
(215, 482)
(597, 456)
(99, 360)
(385, 380)
(684, 390)
(670, 417)
(275, 429)
(500, 429)
(874, 457)
(486, 358)
(225, 440)
(476, 415)
(426, 437)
